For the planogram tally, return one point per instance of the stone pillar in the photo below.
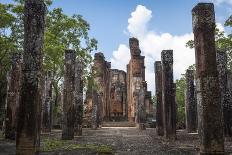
(210, 118)
(168, 96)
(69, 110)
(159, 105)
(12, 100)
(225, 93)
(78, 98)
(94, 109)
(190, 103)
(141, 115)
(29, 114)
(47, 104)
(228, 106)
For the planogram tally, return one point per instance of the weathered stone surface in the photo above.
(116, 88)
(168, 95)
(135, 76)
(141, 109)
(118, 95)
(210, 119)
(47, 104)
(78, 98)
(102, 78)
(69, 110)
(29, 114)
(190, 103)
(95, 109)
(159, 103)
(222, 73)
(12, 100)
(228, 106)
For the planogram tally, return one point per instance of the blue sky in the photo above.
(158, 24)
(109, 18)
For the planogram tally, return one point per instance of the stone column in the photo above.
(159, 105)
(141, 107)
(210, 118)
(94, 109)
(29, 114)
(190, 103)
(225, 93)
(78, 98)
(168, 96)
(12, 100)
(47, 104)
(228, 106)
(68, 95)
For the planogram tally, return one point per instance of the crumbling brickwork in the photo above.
(118, 95)
(117, 88)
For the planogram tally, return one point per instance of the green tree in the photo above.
(62, 32)
(181, 87)
(223, 41)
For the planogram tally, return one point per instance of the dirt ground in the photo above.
(118, 141)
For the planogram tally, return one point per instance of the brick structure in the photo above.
(12, 100)
(159, 103)
(102, 79)
(117, 88)
(29, 111)
(190, 103)
(135, 76)
(210, 119)
(168, 95)
(118, 95)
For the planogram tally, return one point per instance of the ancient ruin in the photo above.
(159, 103)
(78, 97)
(118, 95)
(209, 108)
(60, 99)
(190, 103)
(69, 95)
(168, 95)
(47, 104)
(30, 99)
(12, 99)
(119, 90)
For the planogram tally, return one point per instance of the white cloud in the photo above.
(138, 21)
(121, 57)
(151, 45)
(220, 27)
(222, 1)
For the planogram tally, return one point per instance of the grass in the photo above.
(52, 144)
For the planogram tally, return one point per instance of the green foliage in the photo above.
(53, 144)
(180, 97)
(181, 87)
(62, 32)
(223, 41)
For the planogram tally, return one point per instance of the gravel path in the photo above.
(127, 141)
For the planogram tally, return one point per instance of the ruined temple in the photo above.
(118, 94)
(117, 89)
